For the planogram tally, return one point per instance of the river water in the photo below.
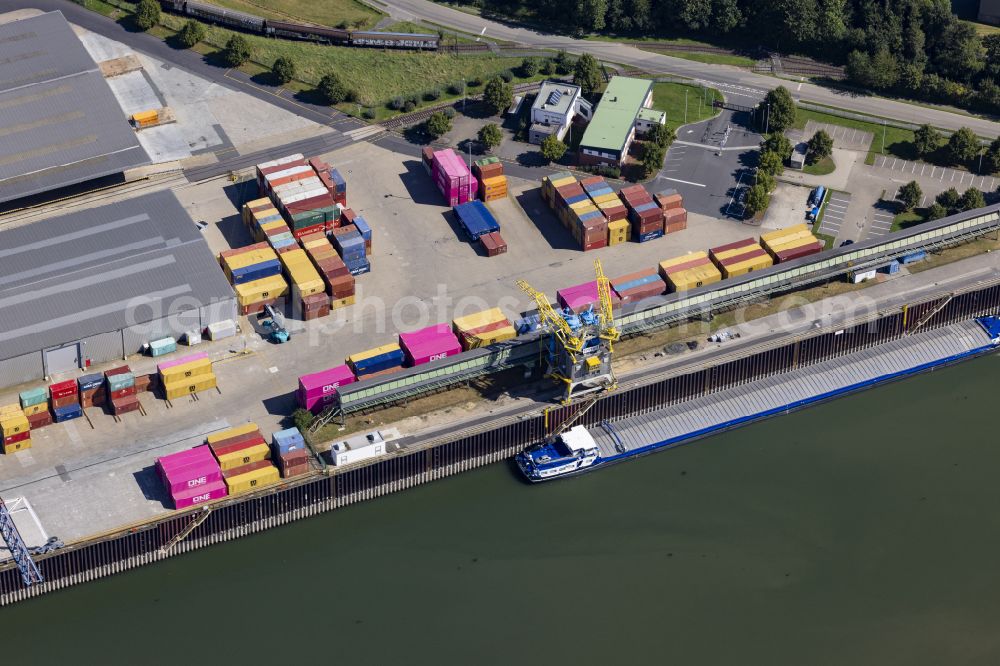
(861, 531)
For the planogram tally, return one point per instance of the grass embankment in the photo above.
(670, 97)
(705, 57)
(822, 168)
(333, 13)
(909, 218)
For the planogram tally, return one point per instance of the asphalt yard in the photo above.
(835, 213)
(950, 177)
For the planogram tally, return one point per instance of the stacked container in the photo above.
(646, 217)
(551, 183)
(15, 430)
(375, 362)
(427, 157)
(791, 243)
(319, 389)
(452, 177)
(239, 446)
(492, 183)
(674, 214)
(92, 390)
(350, 246)
(333, 180)
(482, 329)
(187, 375)
(266, 224)
(122, 391)
(429, 344)
(298, 192)
(192, 477)
(302, 275)
(65, 399)
(251, 477)
(288, 449)
(688, 271)
(605, 199)
(255, 273)
(493, 244)
(35, 404)
(582, 296)
(740, 257)
(636, 286)
(476, 219)
(336, 277)
(361, 224)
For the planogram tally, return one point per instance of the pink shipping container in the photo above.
(188, 469)
(319, 389)
(181, 361)
(429, 344)
(452, 177)
(200, 495)
(578, 298)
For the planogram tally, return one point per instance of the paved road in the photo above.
(727, 79)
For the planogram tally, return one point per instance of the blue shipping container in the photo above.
(476, 219)
(89, 382)
(359, 267)
(257, 271)
(632, 284)
(913, 257)
(646, 206)
(340, 185)
(391, 359)
(642, 238)
(37, 396)
(578, 198)
(122, 381)
(363, 228)
(67, 413)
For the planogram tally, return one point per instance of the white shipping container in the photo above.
(281, 160)
(222, 329)
(358, 448)
(302, 196)
(298, 185)
(862, 276)
(304, 168)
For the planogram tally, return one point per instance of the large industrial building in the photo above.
(60, 124)
(624, 109)
(96, 285)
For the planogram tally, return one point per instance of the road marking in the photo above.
(893, 164)
(686, 182)
(922, 169)
(800, 87)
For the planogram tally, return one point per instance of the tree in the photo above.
(562, 62)
(438, 124)
(490, 135)
(992, 158)
(963, 146)
(779, 110)
(765, 180)
(926, 140)
(910, 195)
(757, 199)
(587, 73)
(333, 90)
(948, 199)
(192, 33)
(552, 148)
(652, 159)
(498, 95)
(971, 199)
(771, 163)
(147, 14)
(237, 51)
(302, 418)
(283, 70)
(529, 67)
(936, 211)
(820, 145)
(776, 142)
(661, 135)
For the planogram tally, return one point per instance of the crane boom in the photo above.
(560, 328)
(608, 330)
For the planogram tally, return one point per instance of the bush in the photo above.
(475, 82)
(490, 135)
(529, 67)
(302, 418)
(283, 70)
(192, 33)
(549, 67)
(455, 88)
(432, 94)
(948, 200)
(563, 63)
(332, 89)
(438, 124)
(507, 75)
(368, 114)
(553, 149)
(758, 197)
(413, 99)
(936, 211)
(820, 146)
(408, 106)
(971, 199)
(237, 51)
(450, 112)
(498, 95)
(147, 14)
(396, 103)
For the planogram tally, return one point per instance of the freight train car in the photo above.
(226, 17)
(311, 32)
(394, 40)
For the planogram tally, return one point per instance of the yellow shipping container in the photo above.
(187, 370)
(248, 206)
(607, 198)
(470, 341)
(258, 478)
(495, 183)
(377, 351)
(17, 446)
(245, 259)
(277, 224)
(12, 408)
(261, 290)
(189, 388)
(666, 264)
(180, 382)
(309, 288)
(316, 242)
(244, 429)
(693, 277)
(748, 266)
(13, 424)
(618, 232)
(245, 456)
(146, 118)
(737, 251)
(478, 319)
(789, 239)
(341, 302)
(774, 235)
(36, 409)
(792, 243)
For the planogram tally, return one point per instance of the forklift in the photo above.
(274, 326)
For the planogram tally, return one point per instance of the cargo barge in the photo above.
(580, 449)
(418, 460)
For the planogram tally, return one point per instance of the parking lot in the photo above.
(949, 177)
(835, 213)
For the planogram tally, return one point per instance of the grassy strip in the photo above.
(670, 97)
(822, 168)
(827, 239)
(708, 58)
(909, 218)
(898, 142)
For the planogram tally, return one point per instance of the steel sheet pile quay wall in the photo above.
(689, 271)
(452, 177)
(186, 375)
(310, 495)
(791, 243)
(429, 344)
(644, 213)
(482, 329)
(318, 390)
(674, 214)
(492, 184)
(191, 477)
(740, 257)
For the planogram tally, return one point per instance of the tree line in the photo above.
(915, 48)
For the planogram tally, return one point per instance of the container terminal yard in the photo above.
(162, 334)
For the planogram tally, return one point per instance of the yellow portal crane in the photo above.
(608, 330)
(567, 338)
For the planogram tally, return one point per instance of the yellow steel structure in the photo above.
(567, 338)
(608, 330)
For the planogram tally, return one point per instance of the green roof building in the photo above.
(624, 109)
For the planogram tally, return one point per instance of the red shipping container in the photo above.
(65, 401)
(296, 470)
(145, 383)
(121, 370)
(237, 443)
(19, 437)
(799, 252)
(256, 308)
(382, 373)
(315, 301)
(481, 331)
(240, 250)
(40, 420)
(312, 203)
(243, 469)
(732, 246)
(93, 397)
(675, 215)
(493, 244)
(123, 393)
(275, 231)
(63, 389)
(305, 232)
(124, 405)
(587, 246)
(674, 227)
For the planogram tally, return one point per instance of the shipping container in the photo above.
(358, 448)
(63, 389)
(187, 370)
(251, 477)
(376, 360)
(639, 285)
(493, 244)
(67, 413)
(201, 494)
(429, 344)
(85, 383)
(229, 433)
(476, 219)
(40, 420)
(182, 389)
(581, 297)
(478, 320)
(244, 453)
